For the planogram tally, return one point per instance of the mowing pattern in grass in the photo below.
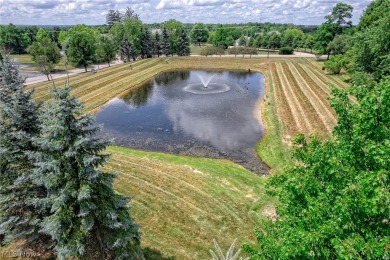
(182, 203)
(302, 92)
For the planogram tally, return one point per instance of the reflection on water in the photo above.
(163, 116)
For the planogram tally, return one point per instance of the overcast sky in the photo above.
(70, 12)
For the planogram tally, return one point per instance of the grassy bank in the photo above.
(271, 148)
(182, 203)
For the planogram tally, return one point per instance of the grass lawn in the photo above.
(182, 203)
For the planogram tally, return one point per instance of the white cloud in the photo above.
(207, 11)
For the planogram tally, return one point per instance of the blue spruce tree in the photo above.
(20, 210)
(88, 218)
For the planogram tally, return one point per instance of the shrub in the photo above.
(212, 50)
(286, 50)
(335, 64)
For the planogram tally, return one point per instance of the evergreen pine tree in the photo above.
(166, 44)
(146, 43)
(20, 214)
(157, 44)
(184, 44)
(89, 219)
(125, 50)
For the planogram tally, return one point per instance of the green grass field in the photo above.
(183, 203)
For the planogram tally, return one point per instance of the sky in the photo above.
(92, 12)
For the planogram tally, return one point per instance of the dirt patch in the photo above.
(270, 212)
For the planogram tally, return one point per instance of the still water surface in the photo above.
(197, 113)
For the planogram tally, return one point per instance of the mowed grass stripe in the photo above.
(84, 77)
(337, 79)
(92, 83)
(321, 110)
(327, 79)
(165, 178)
(283, 106)
(294, 104)
(101, 96)
(304, 100)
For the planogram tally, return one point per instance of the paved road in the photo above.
(35, 77)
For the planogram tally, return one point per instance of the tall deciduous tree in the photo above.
(89, 219)
(173, 28)
(199, 34)
(184, 44)
(45, 52)
(82, 46)
(335, 23)
(20, 214)
(371, 45)
(106, 48)
(340, 44)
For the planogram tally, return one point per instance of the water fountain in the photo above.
(207, 86)
(205, 81)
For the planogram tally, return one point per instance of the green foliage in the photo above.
(340, 44)
(166, 44)
(133, 31)
(113, 17)
(335, 200)
(63, 39)
(242, 51)
(173, 29)
(339, 17)
(286, 50)
(16, 39)
(371, 44)
(335, 64)
(199, 34)
(292, 37)
(184, 49)
(42, 34)
(224, 37)
(157, 44)
(45, 52)
(82, 46)
(211, 50)
(20, 215)
(88, 218)
(275, 41)
(335, 24)
(375, 11)
(309, 42)
(106, 48)
(146, 43)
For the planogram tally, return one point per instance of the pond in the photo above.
(213, 114)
